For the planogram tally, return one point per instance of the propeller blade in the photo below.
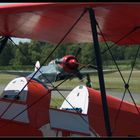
(78, 52)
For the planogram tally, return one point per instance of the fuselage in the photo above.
(25, 111)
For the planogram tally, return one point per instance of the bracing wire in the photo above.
(111, 46)
(126, 83)
(54, 88)
(47, 58)
(50, 82)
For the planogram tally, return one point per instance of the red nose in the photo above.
(73, 63)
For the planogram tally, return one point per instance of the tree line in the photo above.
(28, 53)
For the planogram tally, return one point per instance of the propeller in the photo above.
(77, 52)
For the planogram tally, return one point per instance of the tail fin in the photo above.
(37, 65)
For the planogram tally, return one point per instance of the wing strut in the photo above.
(100, 71)
(3, 43)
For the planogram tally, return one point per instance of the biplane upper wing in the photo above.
(50, 21)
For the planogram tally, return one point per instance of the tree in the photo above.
(7, 54)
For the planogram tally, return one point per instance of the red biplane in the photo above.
(25, 103)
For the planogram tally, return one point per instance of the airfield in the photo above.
(67, 87)
(65, 91)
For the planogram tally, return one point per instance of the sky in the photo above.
(16, 40)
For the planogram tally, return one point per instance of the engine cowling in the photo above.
(69, 63)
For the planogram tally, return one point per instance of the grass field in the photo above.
(6, 78)
(113, 82)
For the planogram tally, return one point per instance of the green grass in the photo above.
(113, 82)
(56, 102)
(6, 78)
